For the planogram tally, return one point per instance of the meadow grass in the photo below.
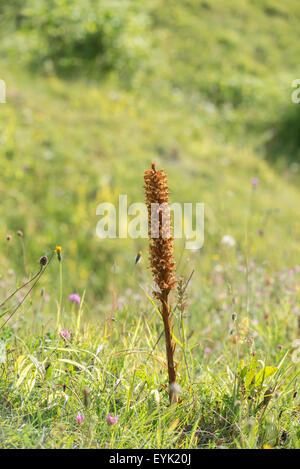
(237, 371)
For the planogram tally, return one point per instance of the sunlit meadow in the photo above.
(94, 95)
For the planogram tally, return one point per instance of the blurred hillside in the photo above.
(97, 90)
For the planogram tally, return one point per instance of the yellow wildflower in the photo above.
(58, 252)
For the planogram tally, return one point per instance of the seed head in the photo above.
(43, 261)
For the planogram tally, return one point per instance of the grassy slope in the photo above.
(217, 87)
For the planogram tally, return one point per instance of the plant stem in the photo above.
(60, 296)
(169, 347)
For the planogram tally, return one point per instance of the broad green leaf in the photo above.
(263, 374)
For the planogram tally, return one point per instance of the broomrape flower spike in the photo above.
(161, 257)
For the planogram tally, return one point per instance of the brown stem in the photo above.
(170, 347)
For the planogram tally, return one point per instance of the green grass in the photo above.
(211, 103)
(122, 371)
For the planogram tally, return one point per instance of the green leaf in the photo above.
(23, 374)
(243, 372)
(263, 374)
(251, 373)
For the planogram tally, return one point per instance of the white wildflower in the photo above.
(228, 241)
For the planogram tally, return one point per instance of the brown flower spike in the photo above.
(161, 256)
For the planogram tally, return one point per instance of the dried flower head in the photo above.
(43, 261)
(20, 233)
(8, 238)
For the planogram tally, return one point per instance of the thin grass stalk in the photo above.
(21, 237)
(20, 288)
(60, 296)
(44, 262)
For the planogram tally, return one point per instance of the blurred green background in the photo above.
(96, 90)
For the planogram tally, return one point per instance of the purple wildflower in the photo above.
(79, 418)
(65, 334)
(254, 181)
(75, 298)
(111, 420)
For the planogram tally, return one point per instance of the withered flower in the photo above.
(43, 261)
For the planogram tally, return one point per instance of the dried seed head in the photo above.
(8, 238)
(44, 260)
(20, 233)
